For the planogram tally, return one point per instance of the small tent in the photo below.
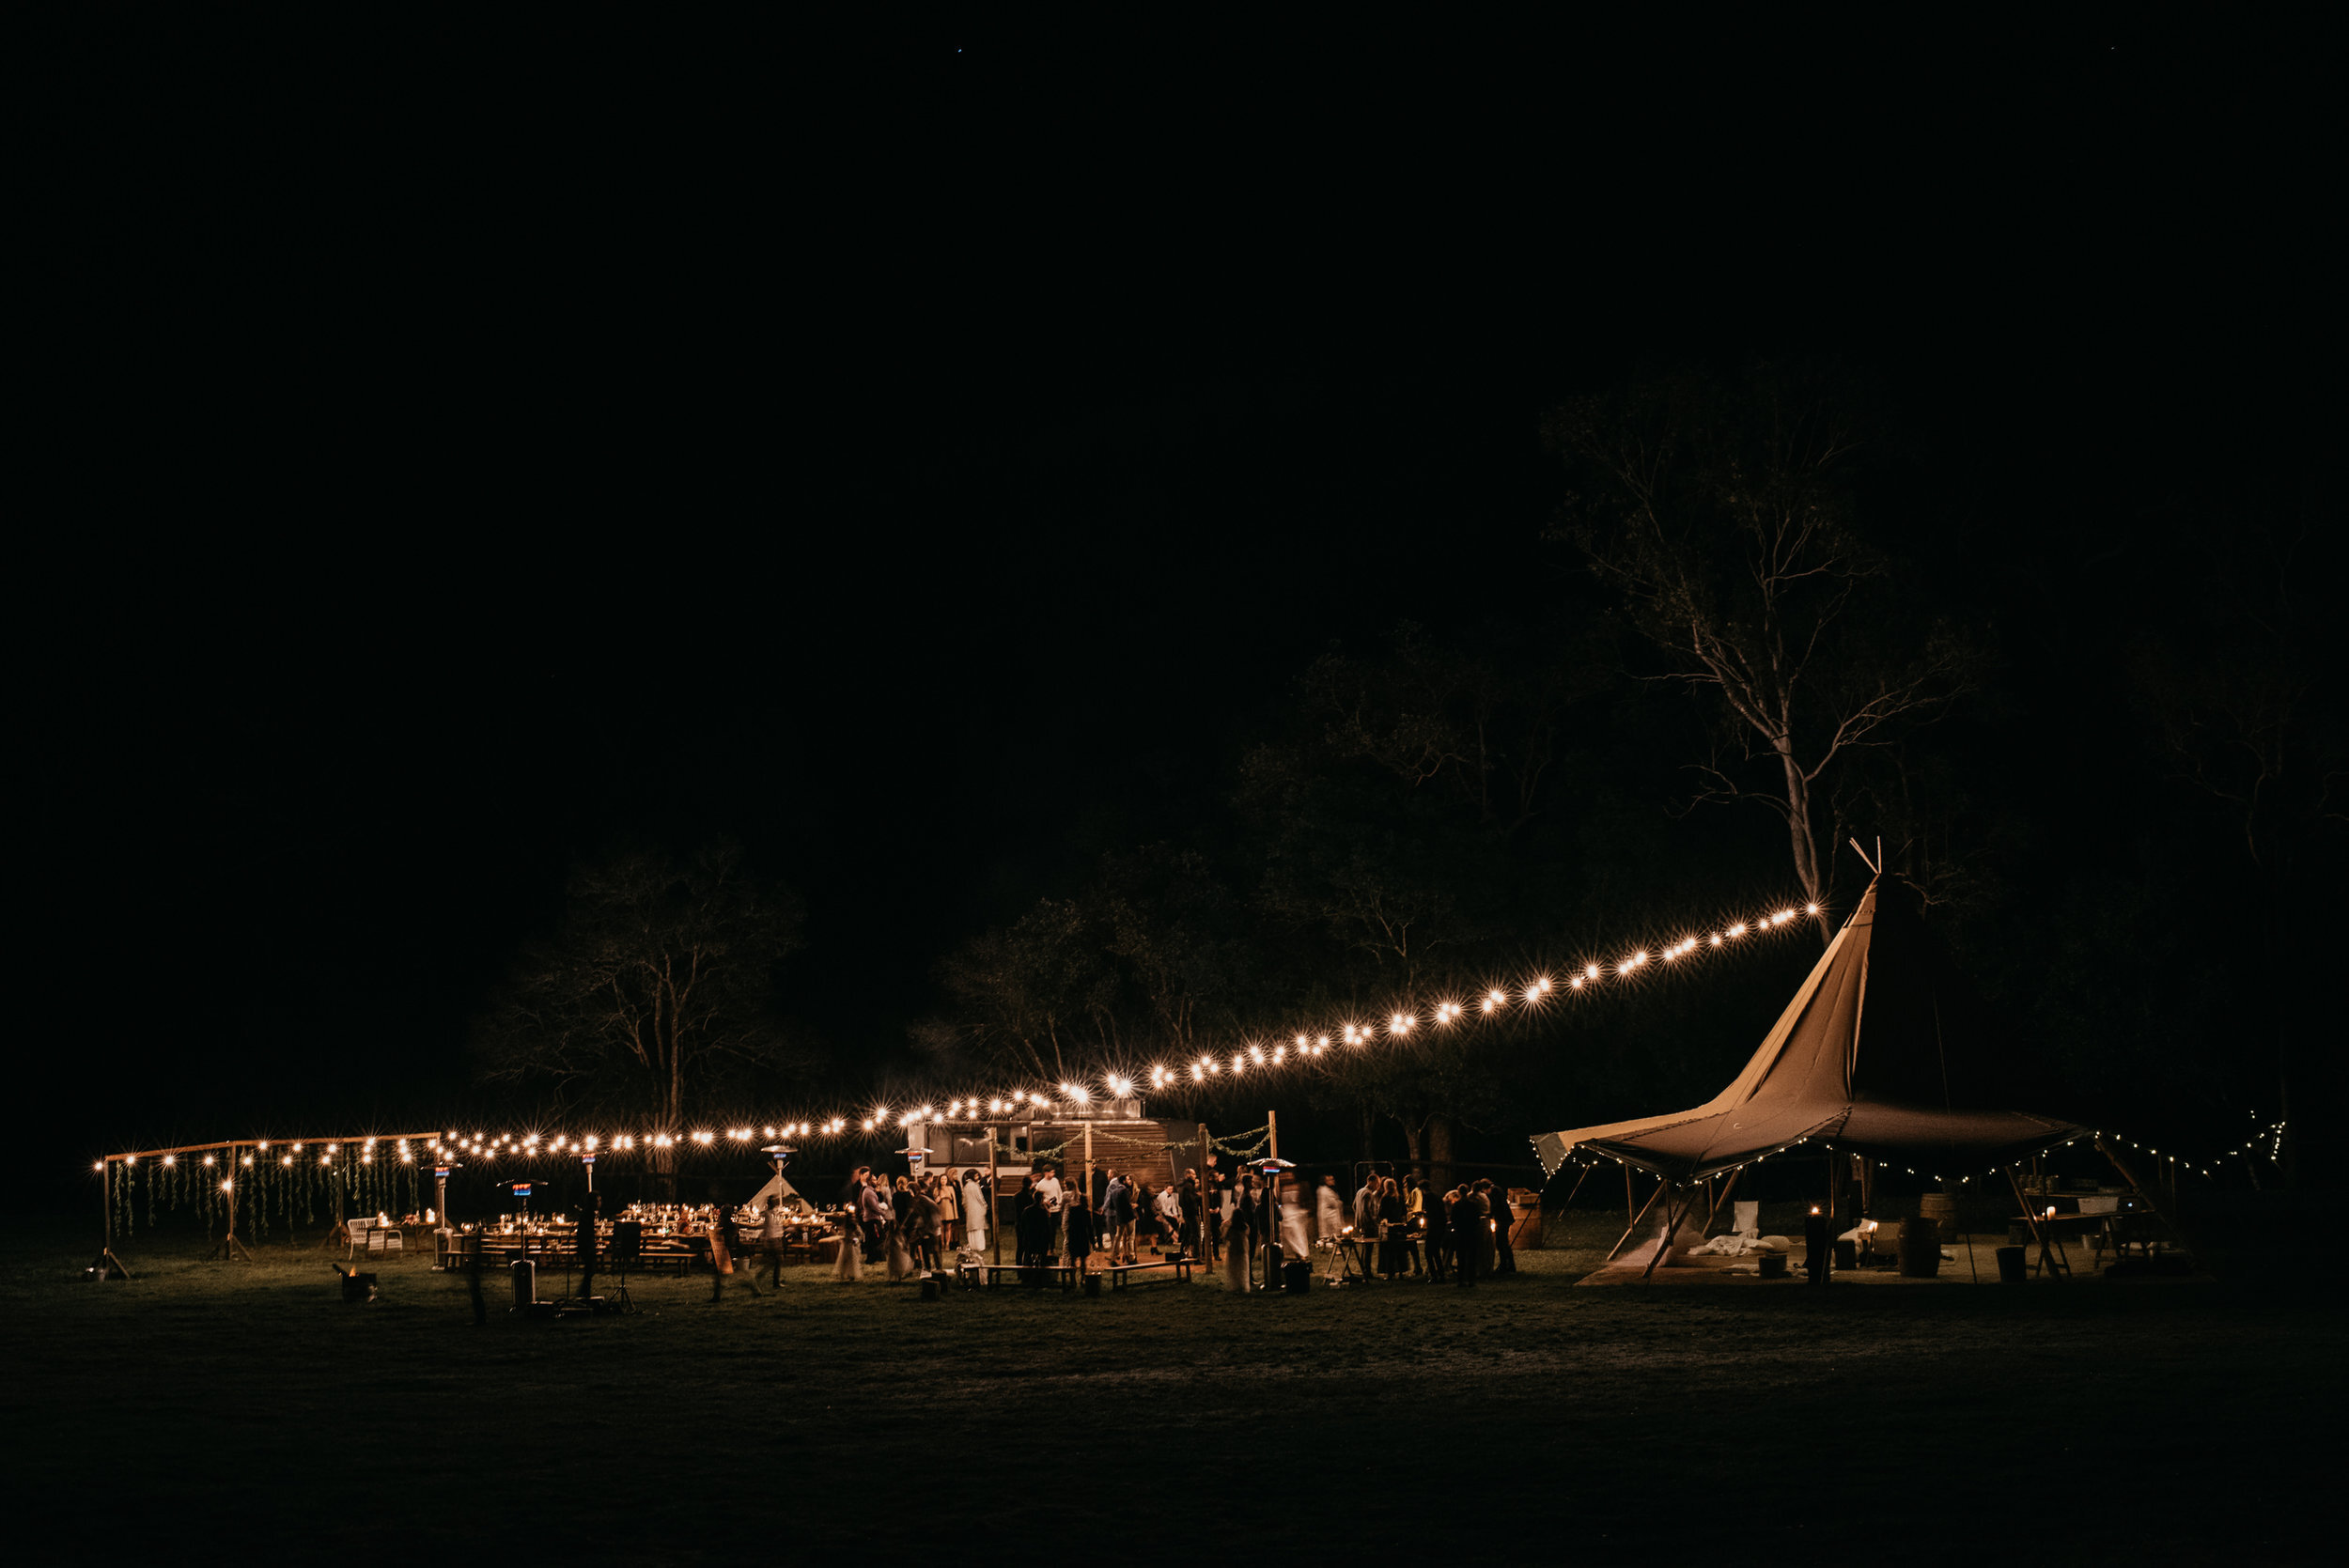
(1884, 1050)
(776, 1188)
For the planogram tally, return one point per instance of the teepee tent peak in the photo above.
(1884, 1050)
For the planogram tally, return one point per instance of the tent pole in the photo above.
(2152, 1198)
(1634, 1218)
(1734, 1175)
(1630, 1215)
(1577, 1187)
(1664, 1241)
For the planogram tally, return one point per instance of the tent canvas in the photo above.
(776, 1188)
(1884, 1050)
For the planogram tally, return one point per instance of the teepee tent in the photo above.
(776, 1188)
(1884, 1051)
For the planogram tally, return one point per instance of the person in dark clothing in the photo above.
(1389, 1228)
(1505, 1257)
(725, 1245)
(921, 1222)
(1470, 1216)
(583, 1247)
(1193, 1207)
(1439, 1237)
(1024, 1205)
(1076, 1219)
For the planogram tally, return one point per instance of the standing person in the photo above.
(978, 1221)
(1054, 1198)
(1328, 1211)
(950, 1209)
(901, 1231)
(1169, 1217)
(1238, 1224)
(770, 1236)
(1366, 1209)
(1220, 1215)
(1117, 1213)
(1297, 1245)
(1145, 1217)
(1389, 1228)
(873, 1214)
(1439, 1237)
(584, 1243)
(1415, 1220)
(1470, 1232)
(1193, 1209)
(1079, 1216)
(922, 1225)
(1024, 1207)
(852, 1191)
(725, 1240)
(1504, 1255)
(849, 1266)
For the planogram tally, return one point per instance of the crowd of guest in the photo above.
(1389, 1227)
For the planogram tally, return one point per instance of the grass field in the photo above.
(208, 1412)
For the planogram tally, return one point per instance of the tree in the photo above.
(1724, 512)
(654, 992)
(2239, 685)
(1038, 997)
(1142, 960)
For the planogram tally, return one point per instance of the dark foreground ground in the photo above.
(206, 1412)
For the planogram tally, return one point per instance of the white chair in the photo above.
(1749, 1217)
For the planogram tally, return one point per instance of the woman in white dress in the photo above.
(973, 1212)
(1239, 1236)
(851, 1264)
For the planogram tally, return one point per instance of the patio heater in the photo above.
(1270, 1167)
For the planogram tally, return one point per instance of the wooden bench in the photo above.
(1065, 1273)
(1122, 1275)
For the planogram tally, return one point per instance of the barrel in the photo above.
(1921, 1247)
(1941, 1208)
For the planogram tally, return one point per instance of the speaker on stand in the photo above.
(628, 1247)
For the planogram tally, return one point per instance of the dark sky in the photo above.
(929, 472)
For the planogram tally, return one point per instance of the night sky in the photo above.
(935, 475)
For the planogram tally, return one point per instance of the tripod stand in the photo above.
(628, 1247)
(230, 1249)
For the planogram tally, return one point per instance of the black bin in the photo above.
(358, 1287)
(2012, 1270)
(1298, 1276)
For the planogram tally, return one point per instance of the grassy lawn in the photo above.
(205, 1411)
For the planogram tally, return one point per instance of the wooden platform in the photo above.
(1973, 1261)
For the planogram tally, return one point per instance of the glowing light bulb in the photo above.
(1590, 971)
(1810, 908)
(1575, 981)
(1716, 939)
(1323, 1042)
(1738, 929)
